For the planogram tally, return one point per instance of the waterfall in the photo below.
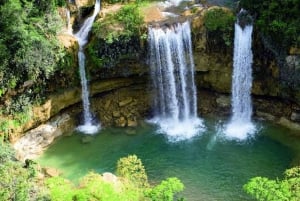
(68, 25)
(82, 37)
(172, 73)
(241, 126)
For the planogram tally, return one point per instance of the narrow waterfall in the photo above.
(241, 126)
(172, 73)
(82, 37)
(68, 25)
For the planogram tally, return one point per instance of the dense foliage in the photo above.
(131, 168)
(219, 23)
(30, 55)
(29, 49)
(277, 19)
(118, 35)
(265, 189)
(18, 182)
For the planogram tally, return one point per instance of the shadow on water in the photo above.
(211, 167)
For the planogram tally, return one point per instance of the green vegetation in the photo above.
(131, 168)
(278, 20)
(20, 182)
(123, 24)
(118, 35)
(30, 56)
(131, 185)
(219, 24)
(165, 190)
(266, 189)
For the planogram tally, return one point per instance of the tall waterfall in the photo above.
(241, 126)
(172, 72)
(82, 37)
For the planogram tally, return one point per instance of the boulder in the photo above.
(35, 141)
(289, 124)
(109, 177)
(51, 172)
(295, 116)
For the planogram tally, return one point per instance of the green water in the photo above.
(211, 167)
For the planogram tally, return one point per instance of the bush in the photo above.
(165, 190)
(131, 168)
(277, 19)
(18, 182)
(219, 24)
(266, 189)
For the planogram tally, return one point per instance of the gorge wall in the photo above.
(122, 93)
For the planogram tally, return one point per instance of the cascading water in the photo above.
(68, 25)
(172, 72)
(82, 37)
(241, 126)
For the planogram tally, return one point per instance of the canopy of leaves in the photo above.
(219, 23)
(266, 189)
(278, 19)
(28, 45)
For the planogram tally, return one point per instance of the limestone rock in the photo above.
(224, 101)
(109, 177)
(132, 123)
(116, 114)
(265, 115)
(289, 124)
(295, 116)
(121, 122)
(125, 102)
(85, 3)
(51, 172)
(35, 141)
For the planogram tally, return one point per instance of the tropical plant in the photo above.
(166, 190)
(265, 189)
(131, 168)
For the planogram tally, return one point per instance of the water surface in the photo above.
(211, 167)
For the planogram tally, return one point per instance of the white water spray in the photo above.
(82, 37)
(241, 126)
(172, 72)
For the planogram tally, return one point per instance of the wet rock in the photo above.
(289, 124)
(35, 141)
(295, 116)
(87, 139)
(224, 101)
(130, 132)
(265, 115)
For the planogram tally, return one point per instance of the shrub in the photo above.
(166, 190)
(131, 168)
(287, 189)
(219, 24)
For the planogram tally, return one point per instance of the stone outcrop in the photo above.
(124, 107)
(37, 140)
(60, 101)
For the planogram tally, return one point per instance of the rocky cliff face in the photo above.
(119, 90)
